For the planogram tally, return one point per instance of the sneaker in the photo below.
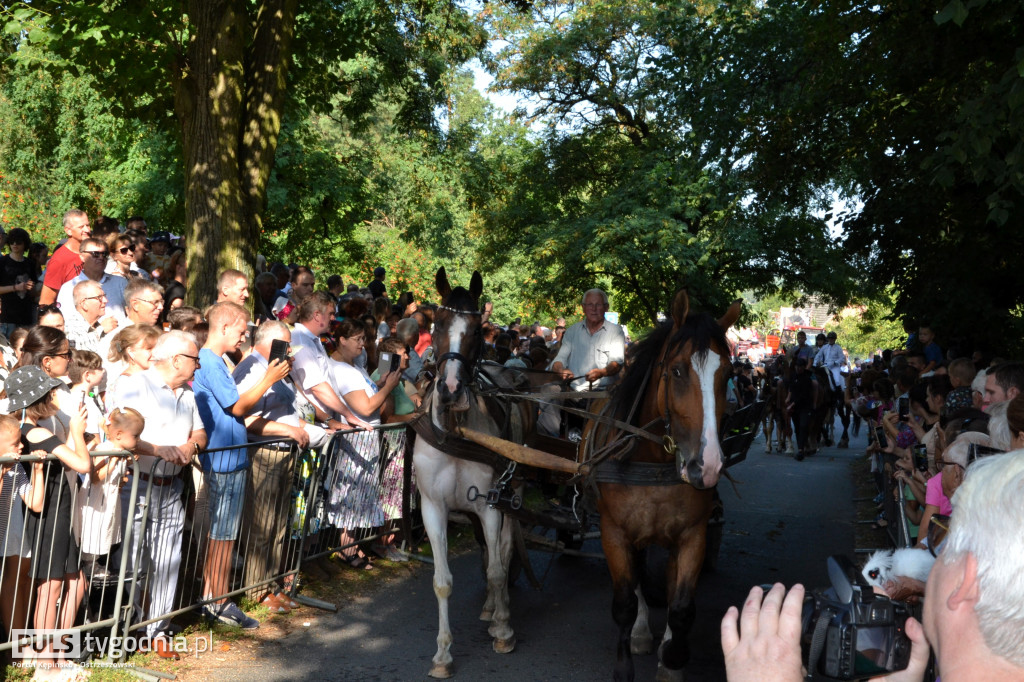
(392, 553)
(230, 614)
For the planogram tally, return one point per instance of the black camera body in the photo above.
(851, 633)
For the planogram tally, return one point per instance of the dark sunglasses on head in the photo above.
(47, 309)
(938, 527)
(975, 451)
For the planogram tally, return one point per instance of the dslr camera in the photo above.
(851, 633)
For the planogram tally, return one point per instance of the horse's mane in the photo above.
(701, 328)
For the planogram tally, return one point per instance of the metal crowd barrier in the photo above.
(152, 559)
(894, 506)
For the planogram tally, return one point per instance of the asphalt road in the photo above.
(786, 519)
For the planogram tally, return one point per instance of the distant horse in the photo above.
(775, 394)
(818, 432)
(661, 493)
(445, 481)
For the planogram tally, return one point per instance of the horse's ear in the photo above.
(731, 315)
(441, 282)
(476, 286)
(680, 308)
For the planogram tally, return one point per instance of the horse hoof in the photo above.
(441, 671)
(487, 616)
(504, 646)
(768, 450)
(641, 646)
(666, 675)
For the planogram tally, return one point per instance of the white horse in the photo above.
(444, 481)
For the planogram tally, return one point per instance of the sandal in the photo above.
(360, 563)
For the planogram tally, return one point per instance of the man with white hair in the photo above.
(973, 605)
(592, 352)
(593, 349)
(172, 436)
(282, 411)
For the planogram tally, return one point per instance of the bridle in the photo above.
(455, 355)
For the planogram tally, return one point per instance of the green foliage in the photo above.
(62, 145)
(911, 108)
(622, 193)
(869, 331)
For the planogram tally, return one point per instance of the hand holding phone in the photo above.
(921, 457)
(904, 409)
(883, 442)
(278, 350)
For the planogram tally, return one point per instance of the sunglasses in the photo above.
(938, 527)
(99, 255)
(125, 250)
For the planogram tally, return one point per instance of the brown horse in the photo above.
(675, 388)
(774, 394)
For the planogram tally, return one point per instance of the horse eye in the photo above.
(873, 573)
(677, 373)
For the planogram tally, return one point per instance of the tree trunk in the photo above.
(229, 93)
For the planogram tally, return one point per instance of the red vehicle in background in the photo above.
(788, 335)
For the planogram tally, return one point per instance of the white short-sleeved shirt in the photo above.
(310, 366)
(582, 351)
(171, 414)
(346, 378)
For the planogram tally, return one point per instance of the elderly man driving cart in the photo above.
(591, 355)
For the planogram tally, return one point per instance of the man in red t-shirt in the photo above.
(65, 264)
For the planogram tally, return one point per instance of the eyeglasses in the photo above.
(98, 255)
(125, 250)
(194, 358)
(95, 298)
(156, 303)
(938, 528)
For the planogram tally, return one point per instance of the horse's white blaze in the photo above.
(706, 367)
(451, 367)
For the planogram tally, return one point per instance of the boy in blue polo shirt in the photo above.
(223, 412)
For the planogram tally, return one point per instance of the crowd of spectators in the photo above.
(100, 351)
